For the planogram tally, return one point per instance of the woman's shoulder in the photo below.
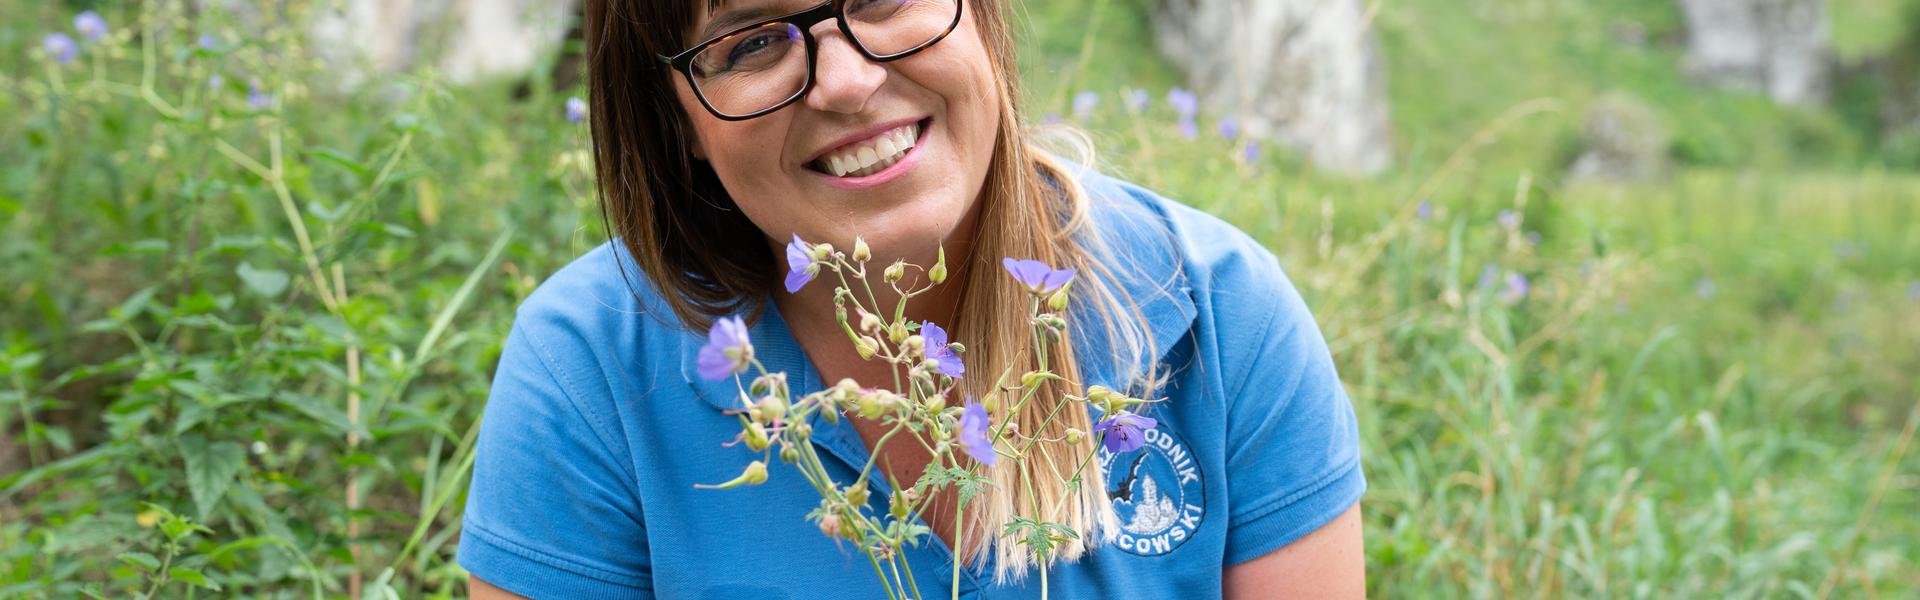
(598, 305)
(1158, 233)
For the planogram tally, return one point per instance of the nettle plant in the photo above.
(926, 370)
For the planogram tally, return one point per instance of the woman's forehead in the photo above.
(715, 17)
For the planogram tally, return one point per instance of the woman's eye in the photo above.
(756, 51)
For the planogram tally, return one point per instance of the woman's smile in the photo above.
(873, 159)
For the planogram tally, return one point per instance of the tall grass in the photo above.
(1706, 388)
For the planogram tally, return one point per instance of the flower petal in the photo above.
(797, 257)
(974, 424)
(796, 280)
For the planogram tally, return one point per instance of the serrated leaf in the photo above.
(265, 282)
(194, 577)
(211, 468)
(141, 560)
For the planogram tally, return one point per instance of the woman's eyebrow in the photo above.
(728, 20)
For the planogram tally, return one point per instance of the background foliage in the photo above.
(248, 323)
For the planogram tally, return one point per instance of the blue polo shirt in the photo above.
(598, 427)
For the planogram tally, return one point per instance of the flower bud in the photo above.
(871, 406)
(757, 437)
(773, 408)
(861, 253)
(789, 454)
(820, 252)
(1053, 322)
(1074, 435)
(939, 271)
(933, 404)
(897, 333)
(866, 347)
(899, 505)
(756, 473)
(1058, 301)
(895, 272)
(870, 323)
(915, 344)
(857, 494)
(1035, 378)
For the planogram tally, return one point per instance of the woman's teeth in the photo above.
(871, 156)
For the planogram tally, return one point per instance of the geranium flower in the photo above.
(576, 110)
(800, 265)
(974, 425)
(728, 351)
(937, 349)
(1037, 276)
(90, 25)
(1123, 432)
(60, 47)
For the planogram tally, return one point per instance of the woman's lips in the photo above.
(891, 172)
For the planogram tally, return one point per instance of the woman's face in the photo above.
(799, 169)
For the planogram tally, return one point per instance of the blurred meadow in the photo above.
(250, 314)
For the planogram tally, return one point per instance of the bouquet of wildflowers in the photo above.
(926, 370)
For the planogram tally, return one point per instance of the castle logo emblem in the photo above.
(1157, 491)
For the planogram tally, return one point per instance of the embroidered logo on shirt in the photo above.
(1157, 491)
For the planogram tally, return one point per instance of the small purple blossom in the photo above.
(90, 25)
(1137, 100)
(940, 351)
(1425, 210)
(1508, 219)
(214, 81)
(576, 110)
(1250, 152)
(1184, 102)
(60, 47)
(1037, 276)
(1084, 103)
(1487, 275)
(208, 41)
(1230, 128)
(1517, 288)
(800, 265)
(1705, 288)
(1123, 432)
(728, 351)
(1189, 129)
(1913, 291)
(974, 424)
(1051, 118)
(1533, 238)
(258, 99)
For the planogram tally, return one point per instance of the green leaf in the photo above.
(141, 560)
(193, 577)
(210, 469)
(265, 282)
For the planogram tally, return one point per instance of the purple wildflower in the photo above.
(728, 351)
(1508, 219)
(939, 351)
(60, 47)
(1251, 151)
(209, 42)
(258, 99)
(214, 81)
(1184, 102)
(1084, 103)
(1425, 210)
(1487, 275)
(1123, 432)
(1051, 118)
(1517, 288)
(1137, 100)
(90, 25)
(800, 265)
(1189, 129)
(1705, 288)
(1533, 238)
(576, 110)
(974, 424)
(1037, 276)
(1230, 128)
(1913, 291)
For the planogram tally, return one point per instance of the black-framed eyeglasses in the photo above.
(763, 67)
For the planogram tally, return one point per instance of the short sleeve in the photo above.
(553, 510)
(1293, 456)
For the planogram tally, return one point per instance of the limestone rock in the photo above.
(1780, 47)
(1307, 73)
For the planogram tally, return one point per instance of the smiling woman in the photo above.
(723, 130)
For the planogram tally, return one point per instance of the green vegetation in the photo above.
(244, 349)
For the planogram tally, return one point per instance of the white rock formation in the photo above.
(1308, 73)
(1780, 47)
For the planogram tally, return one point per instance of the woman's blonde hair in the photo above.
(676, 220)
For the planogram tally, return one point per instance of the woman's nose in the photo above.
(843, 78)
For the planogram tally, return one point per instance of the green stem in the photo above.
(877, 571)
